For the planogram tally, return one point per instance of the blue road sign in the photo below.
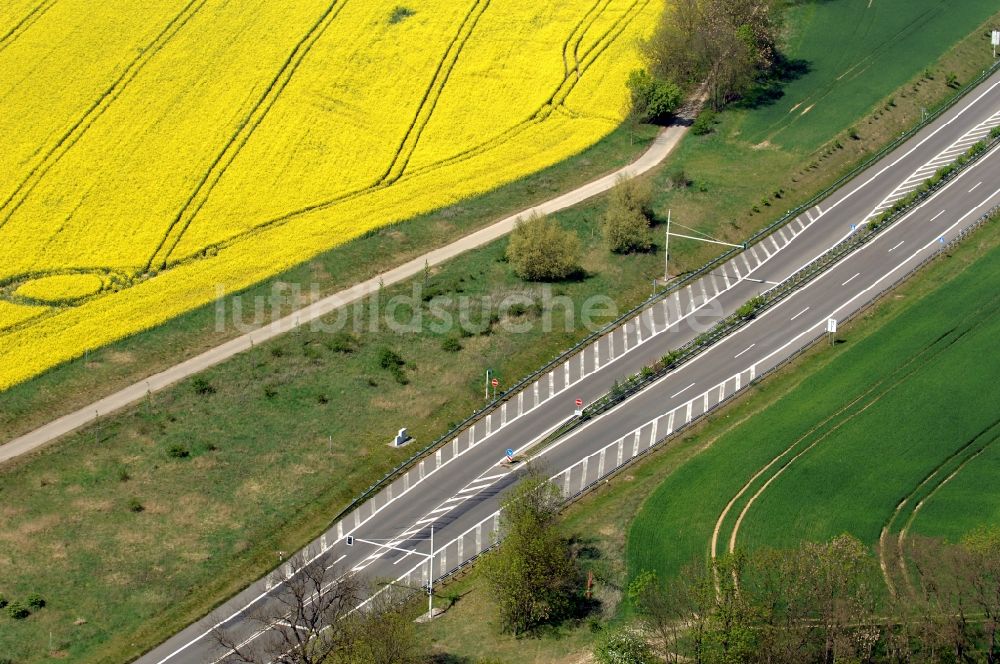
(854, 227)
(941, 239)
(510, 453)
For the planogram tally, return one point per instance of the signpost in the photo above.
(995, 40)
(579, 407)
(495, 383)
(831, 328)
(510, 455)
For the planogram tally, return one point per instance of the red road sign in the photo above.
(579, 402)
(495, 382)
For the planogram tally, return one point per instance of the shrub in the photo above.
(853, 133)
(342, 342)
(995, 132)
(653, 100)
(623, 646)
(122, 474)
(3, 601)
(540, 250)
(625, 223)
(36, 601)
(17, 611)
(202, 386)
(704, 123)
(451, 345)
(389, 360)
(679, 179)
(270, 391)
(134, 505)
(951, 80)
(178, 451)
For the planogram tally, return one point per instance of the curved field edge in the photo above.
(119, 363)
(683, 509)
(155, 296)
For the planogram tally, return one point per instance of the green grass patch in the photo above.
(857, 436)
(853, 51)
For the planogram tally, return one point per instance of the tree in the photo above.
(540, 250)
(652, 99)
(625, 223)
(622, 646)
(666, 611)
(310, 618)
(726, 44)
(532, 574)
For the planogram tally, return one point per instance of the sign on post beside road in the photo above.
(995, 41)
(510, 455)
(831, 325)
(579, 407)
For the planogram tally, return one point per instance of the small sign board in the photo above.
(579, 403)
(996, 38)
(831, 325)
(402, 438)
(510, 455)
(495, 382)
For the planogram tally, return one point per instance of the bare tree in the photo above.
(310, 618)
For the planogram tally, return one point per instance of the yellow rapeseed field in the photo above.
(150, 151)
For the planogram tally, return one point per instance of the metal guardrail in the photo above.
(769, 299)
(691, 277)
(654, 445)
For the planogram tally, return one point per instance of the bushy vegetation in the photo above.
(625, 223)
(532, 575)
(727, 45)
(653, 99)
(541, 250)
(820, 603)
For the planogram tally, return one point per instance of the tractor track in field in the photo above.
(870, 396)
(539, 115)
(79, 128)
(24, 23)
(966, 454)
(433, 93)
(249, 124)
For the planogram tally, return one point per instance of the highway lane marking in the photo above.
(820, 323)
(962, 111)
(336, 562)
(975, 187)
(741, 352)
(897, 246)
(860, 293)
(937, 215)
(682, 391)
(851, 279)
(799, 314)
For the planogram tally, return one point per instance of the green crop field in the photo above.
(908, 415)
(855, 51)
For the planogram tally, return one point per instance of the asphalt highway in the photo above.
(456, 490)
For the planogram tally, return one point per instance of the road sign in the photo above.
(854, 227)
(579, 403)
(510, 454)
(996, 38)
(350, 540)
(495, 382)
(941, 239)
(831, 325)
